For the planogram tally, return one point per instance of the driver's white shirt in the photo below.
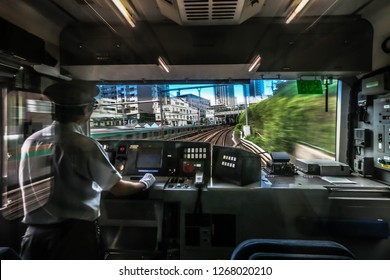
(80, 169)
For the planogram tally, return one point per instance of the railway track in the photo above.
(225, 137)
(219, 136)
(248, 145)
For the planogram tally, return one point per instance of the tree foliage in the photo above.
(286, 118)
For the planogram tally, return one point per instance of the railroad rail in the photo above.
(265, 156)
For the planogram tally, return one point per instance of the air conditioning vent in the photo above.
(210, 12)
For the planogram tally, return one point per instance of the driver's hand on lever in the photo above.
(124, 187)
(148, 180)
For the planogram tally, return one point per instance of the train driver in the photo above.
(65, 226)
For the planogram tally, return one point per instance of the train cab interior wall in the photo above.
(260, 184)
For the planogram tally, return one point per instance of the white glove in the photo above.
(148, 180)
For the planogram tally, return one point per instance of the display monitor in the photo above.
(149, 159)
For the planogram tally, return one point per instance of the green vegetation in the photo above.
(286, 118)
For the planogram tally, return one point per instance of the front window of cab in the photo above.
(281, 117)
(280, 120)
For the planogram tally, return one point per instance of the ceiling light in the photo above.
(11, 66)
(163, 64)
(255, 63)
(297, 10)
(124, 12)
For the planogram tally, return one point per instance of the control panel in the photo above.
(236, 166)
(184, 163)
(382, 133)
(371, 138)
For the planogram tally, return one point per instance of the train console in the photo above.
(173, 218)
(208, 198)
(177, 164)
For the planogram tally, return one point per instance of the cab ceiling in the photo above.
(204, 39)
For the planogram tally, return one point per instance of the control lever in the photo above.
(199, 182)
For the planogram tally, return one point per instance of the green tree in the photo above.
(287, 118)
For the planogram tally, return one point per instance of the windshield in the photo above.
(272, 114)
(279, 116)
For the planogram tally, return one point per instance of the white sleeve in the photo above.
(101, 170)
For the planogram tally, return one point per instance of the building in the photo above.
(259, 90)
(116, 105)
(224, 95)
(106, 113)
(147, 97)
(200, 103)
(176, 112)
(210, 117)
(126, 104)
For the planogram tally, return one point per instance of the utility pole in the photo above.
(160, 96)
(199, 89)
(246, 128)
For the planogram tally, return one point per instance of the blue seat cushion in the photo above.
(290, 249)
